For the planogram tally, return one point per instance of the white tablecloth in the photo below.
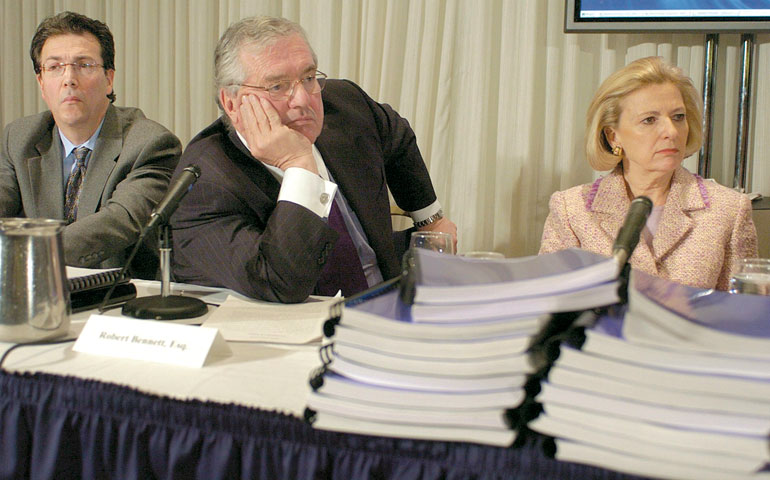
(267, 376)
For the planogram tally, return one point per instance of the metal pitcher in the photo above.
(34, 294)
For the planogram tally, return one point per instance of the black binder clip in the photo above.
(410, 272)
(326, 353)
(317, 377)
(330, 325)
(309, 415)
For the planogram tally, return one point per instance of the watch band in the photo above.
(433, 218)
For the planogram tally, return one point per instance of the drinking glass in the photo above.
(437, 241)
(751, 275)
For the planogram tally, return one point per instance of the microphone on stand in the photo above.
(628, 235)
(164, 306)
(169, 203)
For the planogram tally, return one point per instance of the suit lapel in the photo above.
(46, 178)
(676, 222)
(362, 182)
(348, 172)
(101, 163)
(339, 166)
(611, 205)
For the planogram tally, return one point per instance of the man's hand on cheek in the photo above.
(269, 139)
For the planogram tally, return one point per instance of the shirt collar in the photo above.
(90, 143)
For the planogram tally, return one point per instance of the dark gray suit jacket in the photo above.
(128, 173)
(230, 231)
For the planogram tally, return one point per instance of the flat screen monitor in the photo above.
(707, 16)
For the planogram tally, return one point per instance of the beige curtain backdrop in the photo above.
(494, 89)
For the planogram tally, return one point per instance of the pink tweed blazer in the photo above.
(703, 230)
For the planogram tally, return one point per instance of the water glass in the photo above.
(437, 241)
(751, 275)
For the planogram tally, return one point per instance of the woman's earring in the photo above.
(617, 151)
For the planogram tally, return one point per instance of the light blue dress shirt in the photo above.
(68, 149)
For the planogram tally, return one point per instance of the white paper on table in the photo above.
(255, 321)
(73, 272)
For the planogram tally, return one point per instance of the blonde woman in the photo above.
(644, 120)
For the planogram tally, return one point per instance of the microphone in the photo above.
(168, 204)
(164, 306)
(628, 235)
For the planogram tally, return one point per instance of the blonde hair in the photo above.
(604, 110)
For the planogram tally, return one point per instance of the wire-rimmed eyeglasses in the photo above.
(312, 83)
(82, 68)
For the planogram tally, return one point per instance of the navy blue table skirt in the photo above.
(54, 427)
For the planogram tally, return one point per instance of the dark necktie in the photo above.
(343, 269)
(74, 182)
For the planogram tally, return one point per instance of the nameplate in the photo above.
(149, 340)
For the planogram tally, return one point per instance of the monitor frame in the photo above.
(574, 24)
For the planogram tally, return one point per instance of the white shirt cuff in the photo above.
(426, 212)
(307, 189)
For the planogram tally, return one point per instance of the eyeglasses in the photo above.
(81, 68)
(312, 83)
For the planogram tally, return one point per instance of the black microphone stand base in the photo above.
(158, 307)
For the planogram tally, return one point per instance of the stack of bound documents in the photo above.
(677, 387)
(451, 362)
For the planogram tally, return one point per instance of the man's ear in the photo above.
(110, 74)
(228, 102)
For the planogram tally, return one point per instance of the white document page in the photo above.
(73, 272)
(254, 321)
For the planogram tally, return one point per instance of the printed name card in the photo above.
(184, 345)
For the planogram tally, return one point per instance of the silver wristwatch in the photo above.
(433, 218)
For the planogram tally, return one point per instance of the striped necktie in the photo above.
(74, 182)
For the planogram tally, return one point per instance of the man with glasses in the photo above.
(293, 194)
(98, 167)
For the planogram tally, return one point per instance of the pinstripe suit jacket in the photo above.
(230, 231)
(128, 173)
(704, 229)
